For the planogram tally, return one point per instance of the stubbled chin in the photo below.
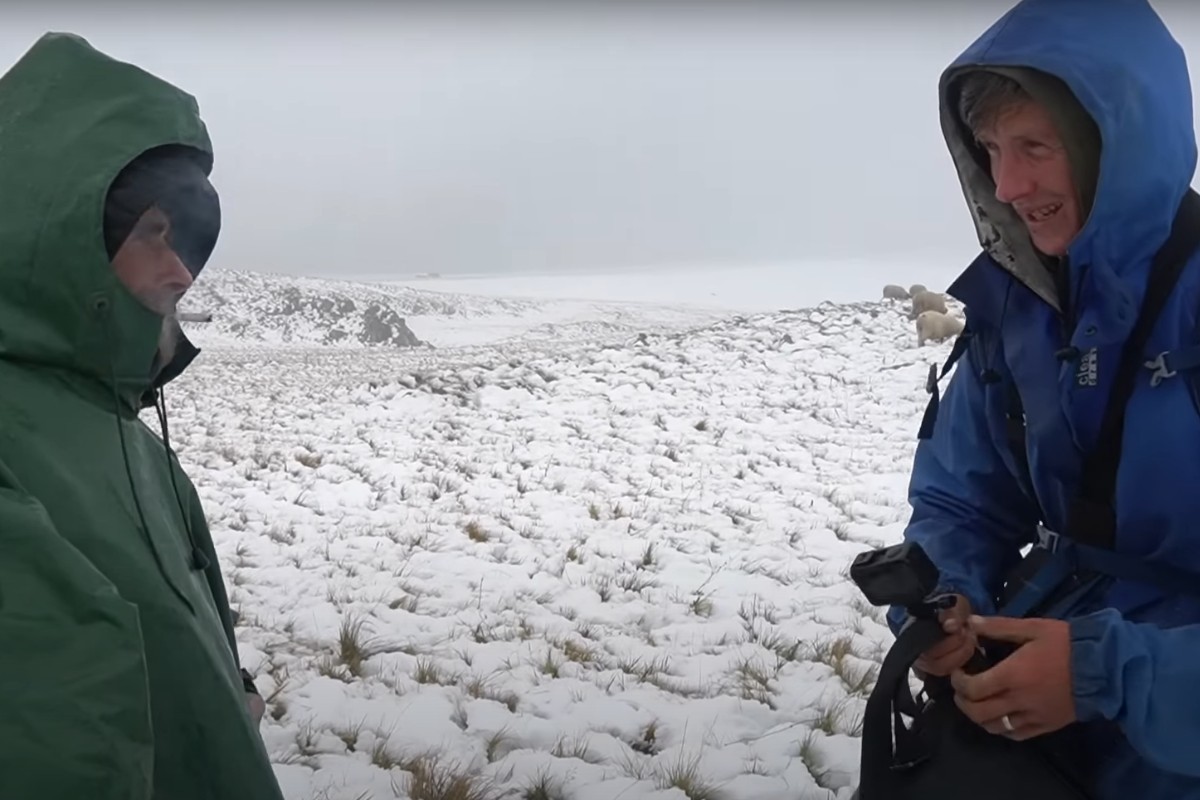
(168, 339)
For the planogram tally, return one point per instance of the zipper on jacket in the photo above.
(1068, 314)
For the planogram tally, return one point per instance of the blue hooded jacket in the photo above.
(1135, 657)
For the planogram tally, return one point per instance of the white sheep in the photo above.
(894, 292)
(926, 301)
(937, 326)
(916, 289)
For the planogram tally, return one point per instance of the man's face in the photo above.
(1032, 173)
(149, 268)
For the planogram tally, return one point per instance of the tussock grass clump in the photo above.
(355, 647)
(427, 672)
(837, 719)
(544, 786)
(350, 733)
(480, 688)
(753, 681)
(550, 665)
(579, 653)
(431, 779)
(382, 756)
(814, 762)
(576, 747)
(500, 744)
(686, 776)
(647, 743)
(645, 670)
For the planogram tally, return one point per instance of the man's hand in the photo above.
(956, 649)
(256, 706)
(1031, 688)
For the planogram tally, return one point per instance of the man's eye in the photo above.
(1039, 149)
(152, 229)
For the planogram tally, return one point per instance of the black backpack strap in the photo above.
(1091, 519)
(1014, 422)
(961, 342)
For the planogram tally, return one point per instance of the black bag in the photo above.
(941, 754)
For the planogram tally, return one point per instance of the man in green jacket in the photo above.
(118, 665)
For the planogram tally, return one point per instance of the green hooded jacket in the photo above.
(118, 664)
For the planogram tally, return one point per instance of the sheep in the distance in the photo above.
(894, 292)
(937, 326)
(926, 301)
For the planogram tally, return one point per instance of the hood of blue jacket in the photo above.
(1130, 75)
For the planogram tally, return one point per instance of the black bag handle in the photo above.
(891, 695)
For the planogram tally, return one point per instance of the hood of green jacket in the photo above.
(71, 118)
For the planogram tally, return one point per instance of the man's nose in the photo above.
(178, 277)
(1013, 179)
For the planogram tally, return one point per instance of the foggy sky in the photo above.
(362, 141)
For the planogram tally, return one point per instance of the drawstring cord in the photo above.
(199, 560)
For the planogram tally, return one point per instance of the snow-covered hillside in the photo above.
(596, 569)
(251, 308)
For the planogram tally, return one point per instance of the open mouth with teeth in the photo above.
(1042, 214)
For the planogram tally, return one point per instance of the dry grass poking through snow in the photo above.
(575, 572)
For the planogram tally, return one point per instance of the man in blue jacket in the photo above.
(1070, 125)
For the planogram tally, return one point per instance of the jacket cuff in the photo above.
(1093, 645)
(898, 617)
(981, 603)
(248, 682)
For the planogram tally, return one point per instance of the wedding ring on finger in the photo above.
(1007, 723)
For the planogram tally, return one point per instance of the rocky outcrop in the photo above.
(300, 311)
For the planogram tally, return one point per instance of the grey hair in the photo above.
(984, 95)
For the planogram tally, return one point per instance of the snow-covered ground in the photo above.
(560, 321)
(562, 567)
